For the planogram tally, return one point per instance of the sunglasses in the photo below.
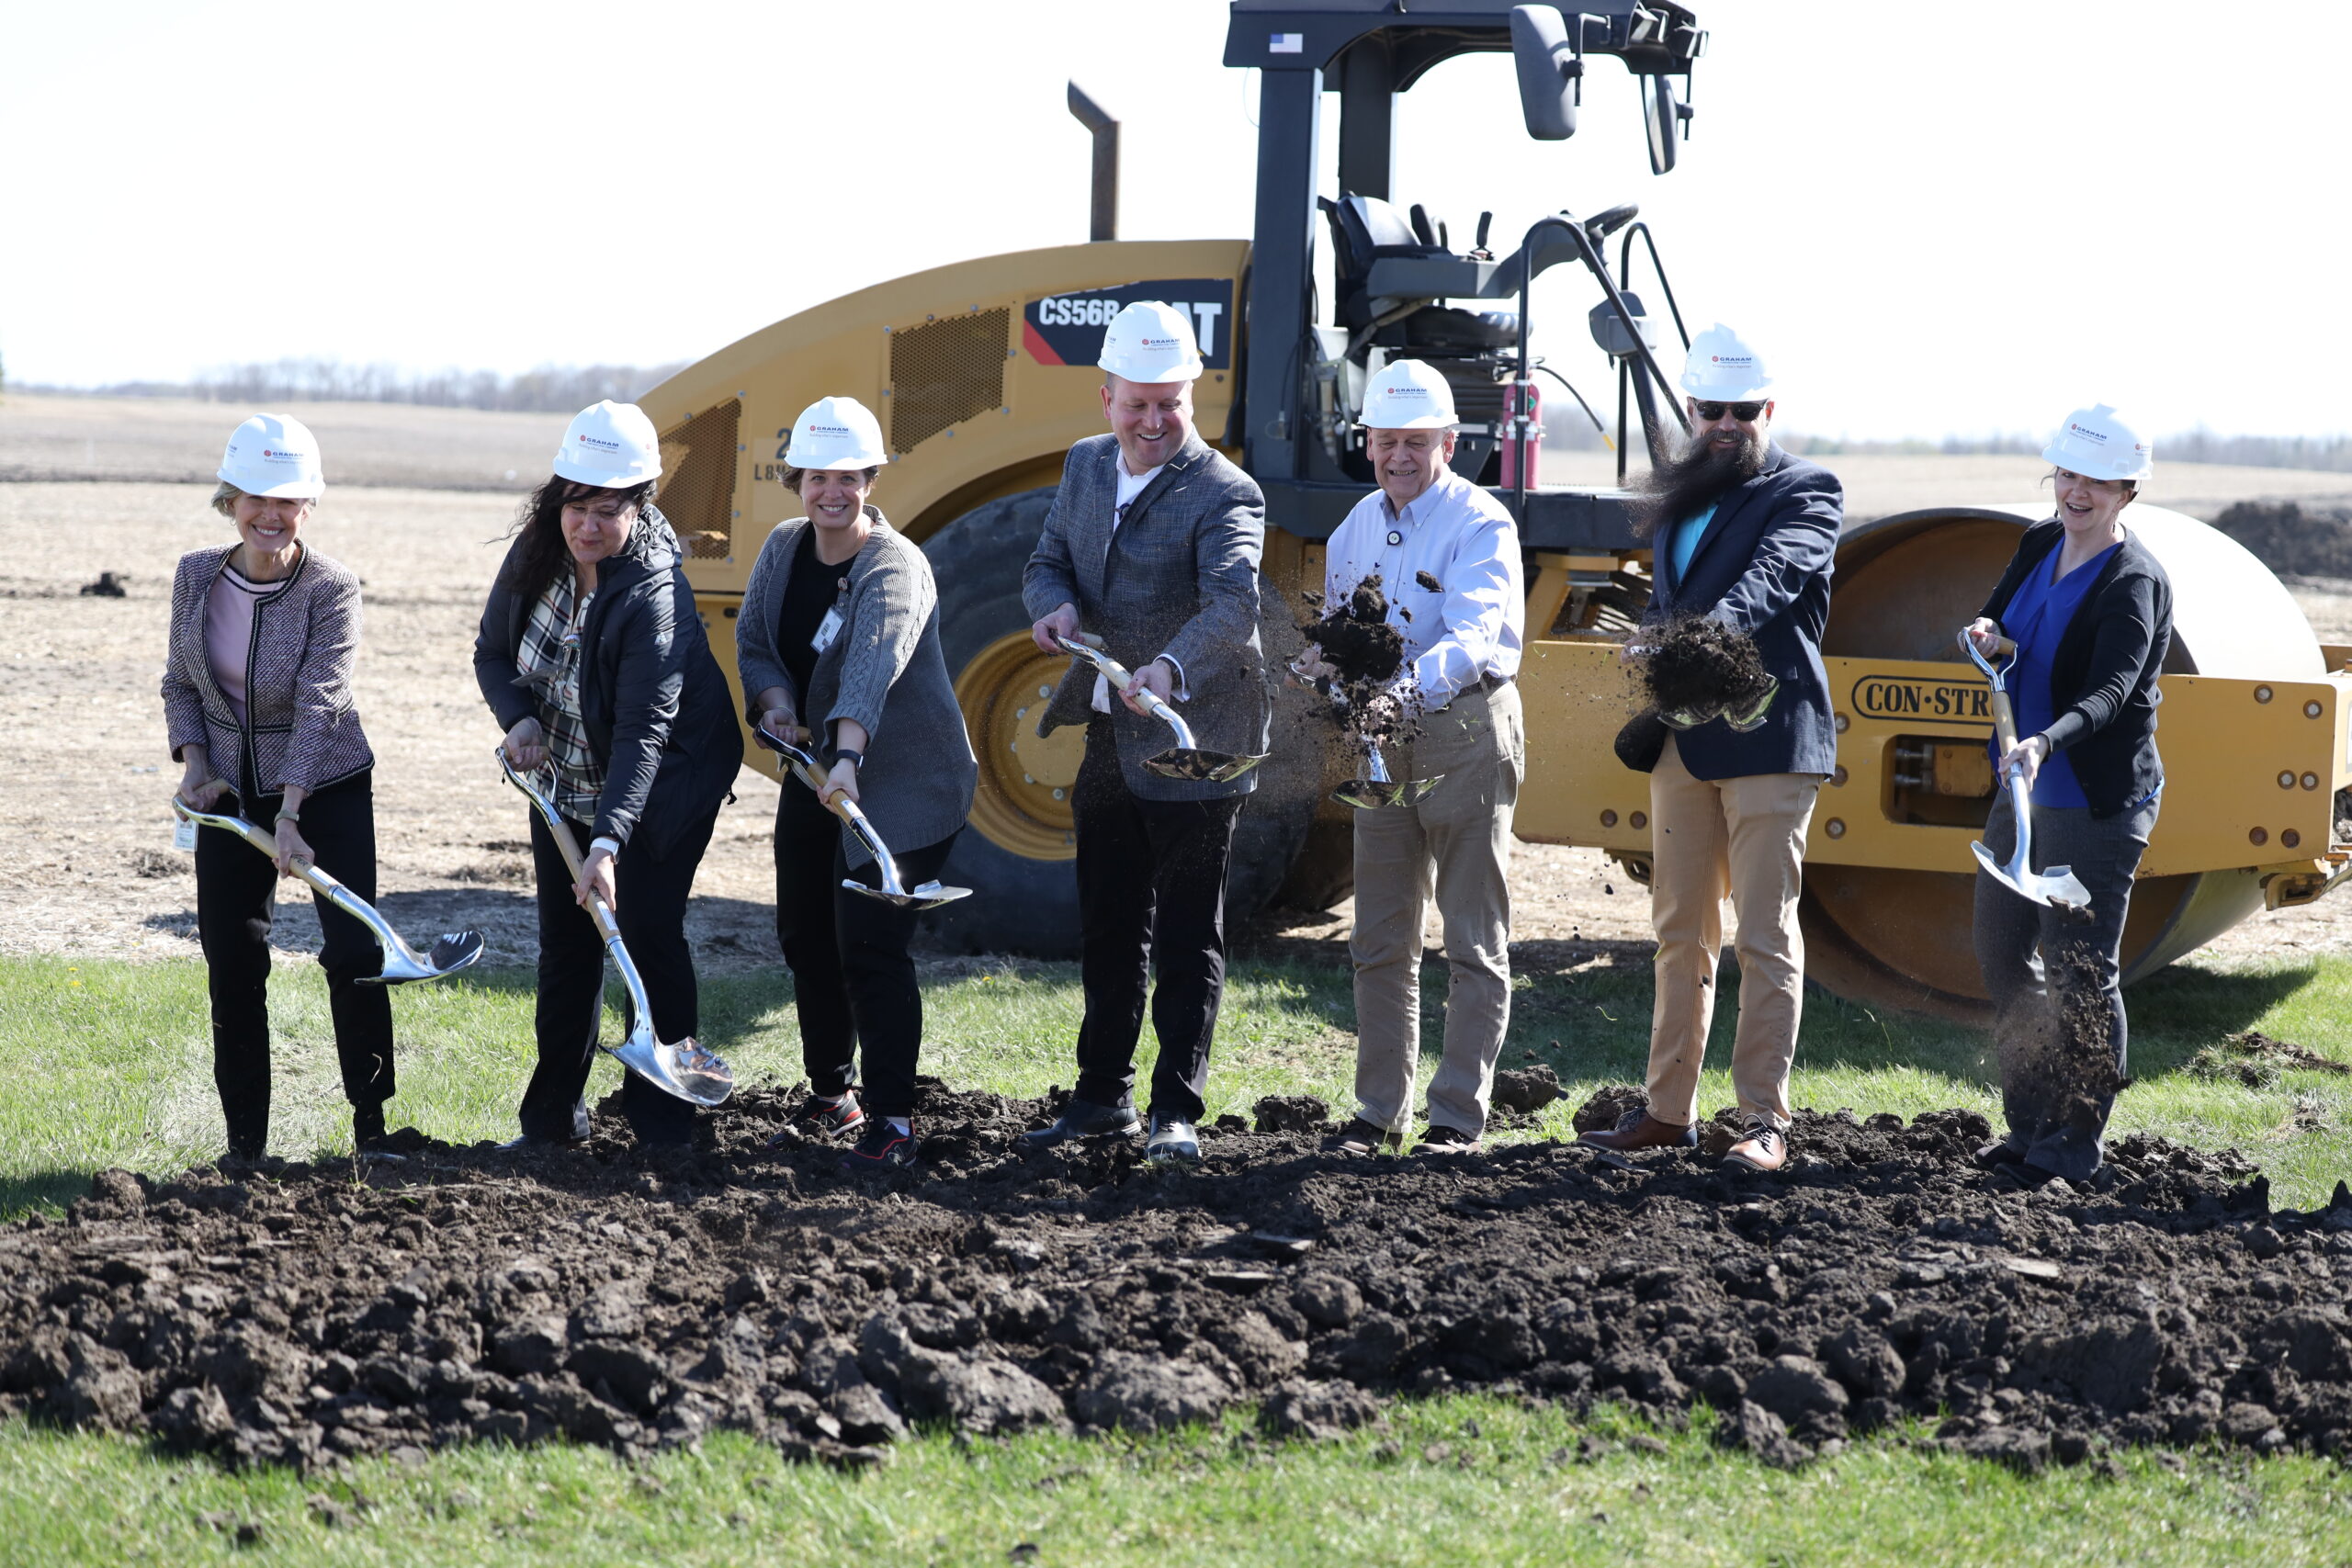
(1744, 412)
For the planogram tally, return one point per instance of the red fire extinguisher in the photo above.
(1522, 429)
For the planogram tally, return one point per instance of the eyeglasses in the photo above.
(1744, 412)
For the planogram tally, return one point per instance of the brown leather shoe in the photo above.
(1640, 1130)
(1762, 1146)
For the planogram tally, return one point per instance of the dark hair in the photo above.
(540, 526)
(792, 476)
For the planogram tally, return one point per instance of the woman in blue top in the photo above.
(2090, 610)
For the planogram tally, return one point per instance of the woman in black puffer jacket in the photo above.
(594, 658)
(2090, 610)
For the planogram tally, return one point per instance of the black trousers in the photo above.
(650, 899)
(853, 983)
(235, 892)
(1150, 895)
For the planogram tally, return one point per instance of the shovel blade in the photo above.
(1368, 795)
(1198, 766)
(2057, 888)
(451, 951)
(684, 1070)
(454, 952)
(928, 895)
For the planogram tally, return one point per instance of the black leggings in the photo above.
(235, 893)
(649, 898)
(851, 975)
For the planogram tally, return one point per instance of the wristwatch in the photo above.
(858, 758)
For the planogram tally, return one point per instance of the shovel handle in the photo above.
(2004, 721)
(1122, 681)
(262, 842)
(566, 845)
(804, 767)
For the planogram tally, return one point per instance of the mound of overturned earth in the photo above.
(299, 1313)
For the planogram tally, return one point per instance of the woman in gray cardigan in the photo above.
(839, 635)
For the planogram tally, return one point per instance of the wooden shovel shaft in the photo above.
(267, 844)
(574, 861)
(1122, 681)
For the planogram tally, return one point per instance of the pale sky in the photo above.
(1930, 219)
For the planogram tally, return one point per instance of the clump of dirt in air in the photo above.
(1367, 653)
(296, 1313)
(1697, 665)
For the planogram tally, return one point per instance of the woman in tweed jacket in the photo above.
(257, 703)
(838, 634)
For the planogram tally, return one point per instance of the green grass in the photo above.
(108, 1064)
(1469, 1481)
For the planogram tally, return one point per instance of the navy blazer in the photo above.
(1762, 568)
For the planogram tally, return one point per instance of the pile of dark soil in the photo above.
(299, 1313)
(2255, 1060)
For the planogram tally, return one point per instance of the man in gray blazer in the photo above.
(1152, 544)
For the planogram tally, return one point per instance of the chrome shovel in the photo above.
(1377, 789)
(1185, 760)
(805, 768)
(402, 963)
(683, 1068)
(2057, 888)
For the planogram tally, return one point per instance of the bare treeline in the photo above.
(2332, 453)
(551, 389)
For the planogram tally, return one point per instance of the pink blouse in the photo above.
(228, 631)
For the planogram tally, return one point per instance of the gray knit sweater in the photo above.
(886, 669)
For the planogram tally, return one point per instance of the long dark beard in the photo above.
(1693, 480)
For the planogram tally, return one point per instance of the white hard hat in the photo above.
(1407, 395)
(270, 454)
(2098, 444)
(1151, 343)
(836, 433)
(611, 444)
(1721, 367)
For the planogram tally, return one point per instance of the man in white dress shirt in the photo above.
(1447, 554)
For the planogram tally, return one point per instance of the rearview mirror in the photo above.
(1549, 70)
(1665, 122)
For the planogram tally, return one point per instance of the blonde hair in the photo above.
(225, 498)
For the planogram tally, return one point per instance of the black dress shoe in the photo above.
(1084, 1119)
(1444, 1140)
(1998, 1153)
(528, 1142)
(1172, 1140)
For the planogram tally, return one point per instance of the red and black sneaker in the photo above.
(836, 1116)
(884, 1149)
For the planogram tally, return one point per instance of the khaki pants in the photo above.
(1457, 843)
(1743, 837)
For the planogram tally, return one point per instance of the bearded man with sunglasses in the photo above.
(1744, 534)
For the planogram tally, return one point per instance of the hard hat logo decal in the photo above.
(599, 443)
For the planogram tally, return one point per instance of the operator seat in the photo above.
(1365, 229)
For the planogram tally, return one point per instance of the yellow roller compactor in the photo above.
(983, 373)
